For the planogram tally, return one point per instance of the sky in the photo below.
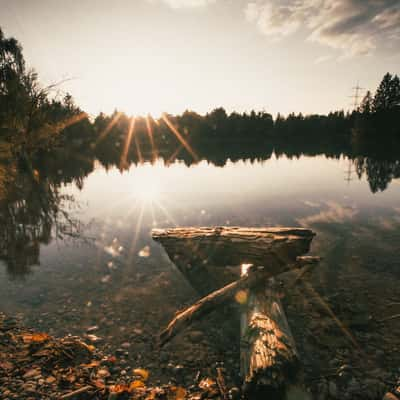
(151, 56)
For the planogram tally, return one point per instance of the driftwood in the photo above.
(269, 359)
(223, 246)
(254, 277)
(198, 252)
(268, 354)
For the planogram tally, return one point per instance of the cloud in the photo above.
(352, 26)
(335, 213)
(322, 59)
(185, 3)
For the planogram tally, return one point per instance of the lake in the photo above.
(85, 259)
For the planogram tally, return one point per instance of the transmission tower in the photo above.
(348, 173)
(356, 96)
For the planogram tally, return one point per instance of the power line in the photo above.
(356, 96)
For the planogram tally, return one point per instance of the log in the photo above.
(268, 355)
(254, 276)
(198, 252)
(222, 246)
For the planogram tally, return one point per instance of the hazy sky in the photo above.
(170, 55)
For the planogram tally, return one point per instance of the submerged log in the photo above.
(254, 277)
(268, 355)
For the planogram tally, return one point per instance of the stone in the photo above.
(50, 379)
(32, 373)
(195, 336)
(332, 389)
(390, 396)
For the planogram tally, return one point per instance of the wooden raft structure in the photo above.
(268, 354)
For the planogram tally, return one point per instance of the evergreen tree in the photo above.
(366, 104)
(387, 94)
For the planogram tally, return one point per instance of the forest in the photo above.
(37, 120)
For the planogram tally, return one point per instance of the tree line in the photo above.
(34, 120)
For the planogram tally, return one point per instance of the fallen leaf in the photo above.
(119, 389)
(112, 359)
(180, 393)
(99, 383)
(135, 385)
(176, 393)
(91, 365)
(142, 373)
(206, 383)
(50, 379)
(35, 337)
(103, 373)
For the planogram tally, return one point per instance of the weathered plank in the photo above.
(256, 276)
(268, 355)
(223, 246)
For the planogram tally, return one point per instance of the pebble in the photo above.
(234, 394)
(195, 336)
(332, 389)
(32, 373)
(390, 396)
(50, 379)
(103, 373)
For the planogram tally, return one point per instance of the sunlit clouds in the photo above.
(354, 27)
(184, 3)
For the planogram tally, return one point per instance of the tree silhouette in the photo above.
(387, 96)
(367, 103)
(12, 62)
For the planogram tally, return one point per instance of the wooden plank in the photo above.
(272, 247)
(254, 277)
(268, 355)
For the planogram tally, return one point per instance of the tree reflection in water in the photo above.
(34, 210)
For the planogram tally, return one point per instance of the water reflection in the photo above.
(33, 212)
(35, 209)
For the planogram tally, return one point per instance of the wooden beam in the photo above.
(222, 246)
(254, 277)
(268, 355)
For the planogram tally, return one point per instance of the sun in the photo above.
(148, 192)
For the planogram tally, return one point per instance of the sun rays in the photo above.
(175, 131)
(128, 139)
(144, 202)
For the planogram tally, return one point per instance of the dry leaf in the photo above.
(206, 383)
(91, 365)
(119, 389)
(176, 393)
(180, 393)
(35, 337)
(141, 372)
(135, 385)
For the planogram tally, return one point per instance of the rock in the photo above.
(93, 328)
(374, 388)
(195, 336)
(164, 356)
(32, 373)
(103, 373)
(390, 396)
(332, 389)
(234, 394)
(354, 386)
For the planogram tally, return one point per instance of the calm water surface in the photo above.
(114, 276)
